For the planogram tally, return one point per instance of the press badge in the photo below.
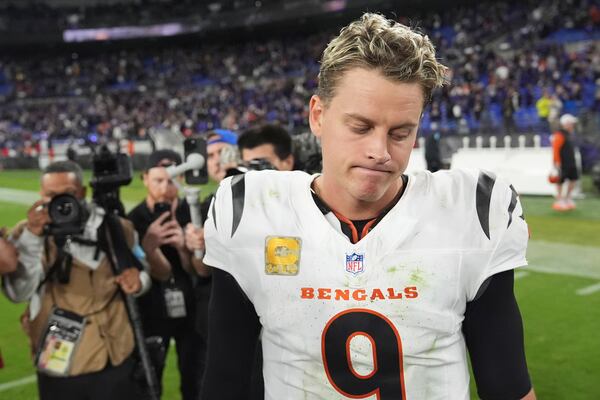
(174, 301)
(59, 342)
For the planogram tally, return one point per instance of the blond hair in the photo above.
(376, 43)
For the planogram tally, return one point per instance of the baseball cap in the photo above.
(225, 136)
(164, 154)
(568, 119)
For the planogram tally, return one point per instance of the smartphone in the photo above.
(195, 145)
(160, 208)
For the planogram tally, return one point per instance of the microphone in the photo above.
(192, 196)
(193, 161)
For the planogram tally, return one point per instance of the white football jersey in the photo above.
(379, 319)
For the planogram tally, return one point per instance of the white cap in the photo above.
(567, 119)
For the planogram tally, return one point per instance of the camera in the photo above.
(257, 164)
(109, 172)
(67, 216)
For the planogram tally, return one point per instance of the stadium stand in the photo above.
(503, 55)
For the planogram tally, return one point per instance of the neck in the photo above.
(150, 202)
(350, 207)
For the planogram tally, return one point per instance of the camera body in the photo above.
(67, 216)
(110, 170)
(257, 164)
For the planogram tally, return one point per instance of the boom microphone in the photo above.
(194, 161)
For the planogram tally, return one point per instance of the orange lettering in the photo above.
(324, 294)
(377, 295)
(363, 295)
(411, 292)
(307, 293)
(392, 295)
(342, 294)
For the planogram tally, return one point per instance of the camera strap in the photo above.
(62, 264)
(64, 260)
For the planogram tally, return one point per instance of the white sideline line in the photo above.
(16, 383)
(521, 274)
(586, 291)
(29, 197)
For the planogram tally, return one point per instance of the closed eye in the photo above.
(401, 134)
(360, 129)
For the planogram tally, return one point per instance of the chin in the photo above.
(369, 194)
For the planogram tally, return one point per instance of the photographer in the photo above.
(220, 147)
(78, 323)
(170, 309)
(271, 143)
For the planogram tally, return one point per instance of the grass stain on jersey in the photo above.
(416, 277)
(396, 268)
(273, 193)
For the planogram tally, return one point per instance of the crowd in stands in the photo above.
(501, 66)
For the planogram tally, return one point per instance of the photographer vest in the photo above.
(107, 335)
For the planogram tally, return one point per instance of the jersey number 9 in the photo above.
(386, 380)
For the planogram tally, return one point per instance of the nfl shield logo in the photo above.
(355, 263)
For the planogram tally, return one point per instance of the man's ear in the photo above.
(288, 163)
(315, 118)
(83, 192)
(145, 179)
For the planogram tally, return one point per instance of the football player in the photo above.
(365, 282)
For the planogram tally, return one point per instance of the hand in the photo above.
(174, 235)
(37, 218)
(155, 235)
(10, 256)
(129, 281)
(194, 238)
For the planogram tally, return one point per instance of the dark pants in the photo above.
(191, 353)
(114, 383)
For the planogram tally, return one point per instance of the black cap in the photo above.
(159, 155)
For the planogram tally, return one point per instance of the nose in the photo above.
(163, 187)
(377, 147)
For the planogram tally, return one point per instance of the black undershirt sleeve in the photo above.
(232, 339)
(493, 331)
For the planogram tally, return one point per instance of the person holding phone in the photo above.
(169, 309)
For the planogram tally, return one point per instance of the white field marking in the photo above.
(18, 382)
(586, 291)
(521, 274)
(19, 196)
(564, 259)
(29, 197)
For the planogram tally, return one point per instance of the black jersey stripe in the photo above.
(214, 212)
(483, 198)
(512, 205)
(238, 190)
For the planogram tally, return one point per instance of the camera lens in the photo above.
(64, 209)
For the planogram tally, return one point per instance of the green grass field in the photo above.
(561, 325)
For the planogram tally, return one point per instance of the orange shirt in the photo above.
(558, 140)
